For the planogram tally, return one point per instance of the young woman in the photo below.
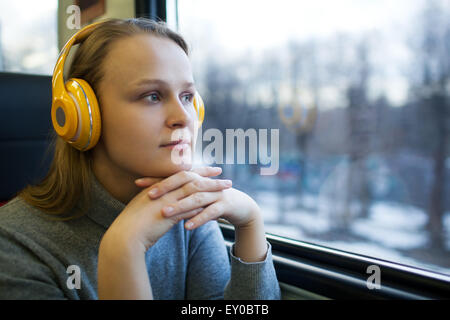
(99, 226)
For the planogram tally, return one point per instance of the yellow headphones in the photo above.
(75, 111)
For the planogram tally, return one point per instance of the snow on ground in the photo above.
(393, 226)
(398, 216)
(269, 205)
(308, 221)
(389, 227)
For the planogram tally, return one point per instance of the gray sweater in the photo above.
(41, 258)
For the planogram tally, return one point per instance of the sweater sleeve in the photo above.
(210, 274)
(22, 274)
(252, 280)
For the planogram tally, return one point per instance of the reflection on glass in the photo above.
(360, 93)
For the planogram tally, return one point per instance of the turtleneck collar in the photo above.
(104, 208)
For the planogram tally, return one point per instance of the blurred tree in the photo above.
(431, 90)
(361, 130)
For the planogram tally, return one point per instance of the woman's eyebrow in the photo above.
(162, 83)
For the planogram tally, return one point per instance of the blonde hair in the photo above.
(67, 183)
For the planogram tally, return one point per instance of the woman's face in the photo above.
(146, 99)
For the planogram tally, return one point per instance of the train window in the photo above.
(346, 105)
(28, 36)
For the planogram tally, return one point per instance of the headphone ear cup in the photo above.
(64, 115)
(89, 118)
(200, 108)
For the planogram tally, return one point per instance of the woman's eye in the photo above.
(188, 98)
(152, 97)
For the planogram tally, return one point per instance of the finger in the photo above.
(187, 215)
(177, 180)
(202, 171)
(147, 181)
(212, 212)
(196, 200)
(207, 172)
(201, 185)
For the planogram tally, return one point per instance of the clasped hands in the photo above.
(203, 197)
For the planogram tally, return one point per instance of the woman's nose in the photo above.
(178, 115)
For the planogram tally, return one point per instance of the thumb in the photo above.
(147, 181)
(203, 171)
(207, 171)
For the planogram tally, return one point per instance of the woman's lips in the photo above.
(177, 146)
(180, 144)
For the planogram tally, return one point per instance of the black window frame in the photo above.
(337, 274)
(153, 9)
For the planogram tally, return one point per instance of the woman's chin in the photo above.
(174, 168)
(170, 169)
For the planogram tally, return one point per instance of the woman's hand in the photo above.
(230, 204)
(141, 224)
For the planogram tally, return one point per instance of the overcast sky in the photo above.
(238, 27)
(262, 23)
(29, 33)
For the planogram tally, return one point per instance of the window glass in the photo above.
(358, 93)
(28, 36)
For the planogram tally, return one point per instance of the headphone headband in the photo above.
(79, 36)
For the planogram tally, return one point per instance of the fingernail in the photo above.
(227, 183)
(139, 180)
(167, 210)
(189, 225)
(153, 192)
